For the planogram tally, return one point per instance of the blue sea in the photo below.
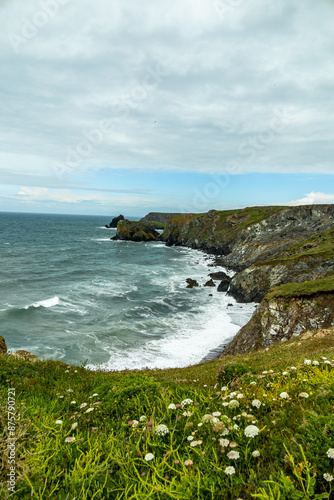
(68, 292)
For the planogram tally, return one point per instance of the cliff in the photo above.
(286, 312)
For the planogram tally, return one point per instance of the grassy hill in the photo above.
(176, 433)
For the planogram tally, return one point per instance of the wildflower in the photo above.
(69, 390)
(190, 438)
(223, 442)
(176, 461)
(225, 432)
(256, 453)
(188, 462)
(233, 404)
(293, 368)
(235, 427)
(74, 425)
(207, 418)
(148, 457)
(161, 430)
(229, 470)
(67, 371)
(187, 413)
(330, 453)
(232, 395)
(264, 373)
(233, 444)
(218, 427)
(83, 405)
(134, 423)
(251, 431)
(285, 373)
(216, 414)
(307, 362)
(75, 371)
(89, 410)
(59, 422)
(233, 455)
(73, 402)
(256, 403)
(224, 388)
(284, 395)
(69, 439)
(303, 395)
(142, 418)
(172, 406)
(196, 443)
(327, 362)
(253, 383)
(240, 396)
(315, 363)
(200, 424)
(186, 402)
(328, 477)
(95, 394)
(205, 385)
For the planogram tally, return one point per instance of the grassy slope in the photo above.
(107, 458)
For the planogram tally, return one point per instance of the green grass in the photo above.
(106, 460)
(290, 290)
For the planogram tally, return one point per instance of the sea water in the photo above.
(68, 292)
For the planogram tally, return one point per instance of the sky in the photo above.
(179, 106)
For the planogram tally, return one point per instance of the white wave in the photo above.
(101, 239)
(45, 303)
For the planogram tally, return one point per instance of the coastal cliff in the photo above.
(284, 257)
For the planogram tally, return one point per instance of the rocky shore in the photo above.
(283, 258)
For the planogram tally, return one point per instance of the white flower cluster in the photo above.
(186, 402)
(162, 430)
(256, 403)
(251, 431)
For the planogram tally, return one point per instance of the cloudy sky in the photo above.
(185, 105)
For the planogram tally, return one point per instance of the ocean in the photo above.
(68, 292)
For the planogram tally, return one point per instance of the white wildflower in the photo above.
(256, 403)
(161, 430)
(328, 477)
(285, 373)
(69, 439)
(148, 457)
(225, 432)
(251, 431)
(190, 438)
(240, 396)
(186, 402)
(303, 395)
(74, 425)
(315, 363)
(236, 427)
(69, 390)
(58, 422)
(229, 470)
(284, 395)
(142, 418)
(73, 402)
(233, 404)
(83, 405)
(224, 388)
(233, 455)
(207, 418)
(293, 368)
(330, 453)
(89, 410)
(187, 413)
(256, 453)
(223, 442)
(216, 414)
(196, 443)
(253, 383)
(307, 362)
(134, 423)
(172, 406)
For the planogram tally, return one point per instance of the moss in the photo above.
(313, 287)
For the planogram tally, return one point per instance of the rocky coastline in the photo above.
(283, 258)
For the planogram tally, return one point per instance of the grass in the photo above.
(114, 418)
(308, 288)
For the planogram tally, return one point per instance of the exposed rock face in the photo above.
(24, 355)
(115, 221)
(220, 275)
(224, 284)
(280, 319)
(3, 347)
(158, 217)
(135, 231)
(246, 237)
(210, 283)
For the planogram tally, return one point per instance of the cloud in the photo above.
(313, 199)
(188, 86)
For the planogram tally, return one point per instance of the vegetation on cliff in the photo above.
(135, 231)
(250, 426)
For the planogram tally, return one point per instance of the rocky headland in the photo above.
(135, 231)
(283, 258)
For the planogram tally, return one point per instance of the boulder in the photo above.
(220, 275)
(3, 347)
(191, 283)
(135, 231)
(209, 283)
(224, 284)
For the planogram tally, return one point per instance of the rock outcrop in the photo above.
(191, 283)
(115, 221)
(24, 355)
(281, 319)
(3, 347)
(135, 231)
